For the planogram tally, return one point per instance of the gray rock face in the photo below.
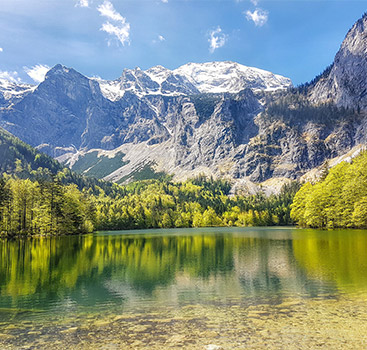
(283, 149)
(209, 140)
(11, 92)
(218, 118)
(346, 83)
(58, 111)
(70, 112)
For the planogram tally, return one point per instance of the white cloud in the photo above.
(82, 3)
(107, 10)
(1, 49)
(11, 76)
(37, 72)
(161, 38)
(121, 30)
(217, 39)
(165, 1)
(259, 17)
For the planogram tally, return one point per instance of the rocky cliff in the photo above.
(345, 83)
(218, 118)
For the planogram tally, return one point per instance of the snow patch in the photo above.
(191, 78)
(12, 90)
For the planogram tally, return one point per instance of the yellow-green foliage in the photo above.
(195, 203)
(29, 208)
(51, 207)
(340, 200)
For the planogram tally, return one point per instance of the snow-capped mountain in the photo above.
(10, 91)
(189, 79)
(219, 77)
(155, 81)
(192, 78)
(201, 118)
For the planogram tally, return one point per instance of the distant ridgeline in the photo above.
(338, 200)
(39, 196)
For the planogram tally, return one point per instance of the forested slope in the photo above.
(25, 162)
(338, 200)
(15, 152)
(39, 196)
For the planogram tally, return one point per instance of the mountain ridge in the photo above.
(192, 78)
(345, 84)
(160, 120)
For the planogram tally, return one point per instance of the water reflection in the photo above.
(105, 269)
(336, 257)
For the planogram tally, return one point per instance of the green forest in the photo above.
(51, 207)
(338, 200)
(38, 196)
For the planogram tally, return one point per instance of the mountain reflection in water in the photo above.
(169, 266)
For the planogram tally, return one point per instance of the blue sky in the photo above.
(294, 38)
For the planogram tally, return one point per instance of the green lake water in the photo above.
(212, 288)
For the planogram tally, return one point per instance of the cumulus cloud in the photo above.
(161, 38)
(37, 72)
(1, 49)
(259, 17)
(165, 1)
(217, 39)
(10, 76)
(121, 30)
(82, 3)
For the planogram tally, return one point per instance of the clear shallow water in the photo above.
(186, 288)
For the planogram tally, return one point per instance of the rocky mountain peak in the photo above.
(199, 118)
(346, 83)
(192, 78)
(158, 73)
(355, 42)
(232, 77)
(57, 70)
(60, 71)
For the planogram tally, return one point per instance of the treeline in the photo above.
(196, 203)
(12, 149)
(294, 109)
(339, 200)
(32, 208)
(305, 88)
(51, 207)
(25, 162)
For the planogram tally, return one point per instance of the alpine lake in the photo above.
(212, 288)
